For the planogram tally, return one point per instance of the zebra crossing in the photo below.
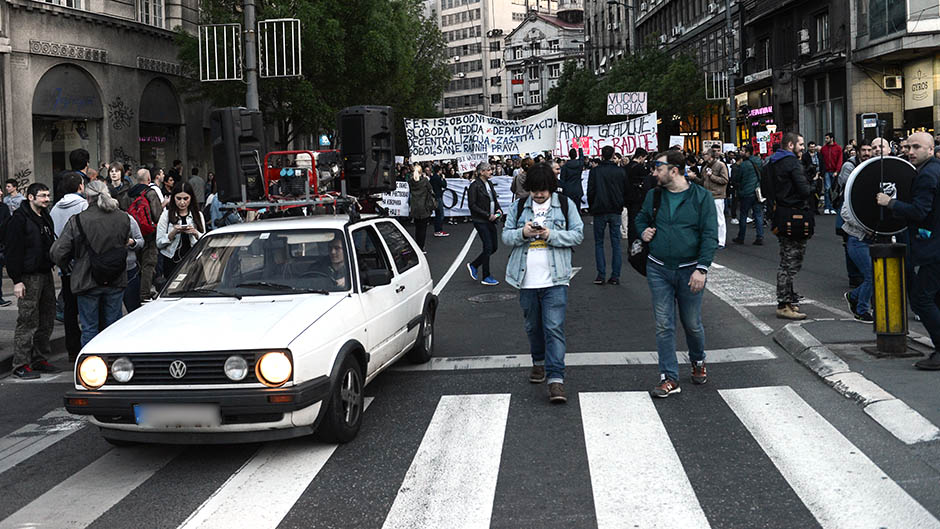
(449, 471)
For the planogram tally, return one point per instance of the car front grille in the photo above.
(153, 369)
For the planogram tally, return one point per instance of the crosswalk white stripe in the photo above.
(636, 475)
(265, 488)
(452, 479)
(83, 497)
(31, 439)
(839, 484)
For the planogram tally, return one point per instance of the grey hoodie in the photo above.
(62, 211)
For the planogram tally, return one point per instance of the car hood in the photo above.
(214, 324)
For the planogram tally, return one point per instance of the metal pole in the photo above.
(631, 21)
(732, 111)
(251, 59)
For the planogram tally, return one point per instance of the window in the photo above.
(822, 32)
(535, 98)
(369, 252)
(495, 63)
(151, 12)
(496, 99)
(494, 46)
(536, 48)
(520, 100)
(517, 17)
(553, 45)
(534, 73)
(496, 80)
(403, 253)
(74, 4)
(498, 115)
(554, 71)
(886, 17)
(517, 52)
(518, 75)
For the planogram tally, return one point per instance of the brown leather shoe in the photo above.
(537, 375)
(556, 393)
(790, 312)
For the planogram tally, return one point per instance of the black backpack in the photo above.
(107, 266)
(563, 199)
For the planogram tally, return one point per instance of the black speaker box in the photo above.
(367, 145)
(238, 150)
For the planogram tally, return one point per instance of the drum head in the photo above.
(890, 175)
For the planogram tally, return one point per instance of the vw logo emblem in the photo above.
(177, 369)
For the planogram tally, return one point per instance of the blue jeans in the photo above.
(827, 183)
(103, 300)
(924, 290)
(859, 252)
(544, 312)
(439, 214)
(748, 204)
(132, 292)
(601, 223)
(490, 239)
(669, 287)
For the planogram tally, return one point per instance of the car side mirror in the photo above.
(377, 278)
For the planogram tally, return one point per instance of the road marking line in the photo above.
(839, 484)
(18, 446)
(450, 363)
(86, 495)
(458, 262)
(262, 492)
(637, 490)
(740, 308)
(902, 421)
(452, 479)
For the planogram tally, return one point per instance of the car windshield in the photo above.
(264, 263)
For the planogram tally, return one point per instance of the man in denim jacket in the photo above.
(541, 238)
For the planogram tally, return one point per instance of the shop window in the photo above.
(54, 138)
(151, 12)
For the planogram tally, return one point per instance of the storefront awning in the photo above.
(67, 91)
(159, 104)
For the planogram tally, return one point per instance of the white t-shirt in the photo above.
(538, 268)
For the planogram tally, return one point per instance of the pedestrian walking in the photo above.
(793, 222)
(832, 162)
(571, 180)
(485, 212)
(179, 229)
(29, 235)
(95, 242)
(78, 161)
(146, 208)
(72, 203)
(4, 216)
(923, 216)
(420, 204)
(679, 223)
(438, 185)
(119, 186)
(747, 184)
(607, 194)
(199, 187)
(12, 198)
(542, 230)
(714, 178)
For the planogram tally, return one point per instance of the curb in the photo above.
(893, 414)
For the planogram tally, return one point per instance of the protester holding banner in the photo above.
(420, 203)
(484, 211)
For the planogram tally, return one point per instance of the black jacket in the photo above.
(785, 182)
(570, 180)
(607, 189)
(438, 184)
(639, 179)
(809, 168)
(478, 199)
(28, 238)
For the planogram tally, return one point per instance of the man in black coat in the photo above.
(570, 178)
(638, 177)
(607, 191)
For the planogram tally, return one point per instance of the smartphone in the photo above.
(537, 224)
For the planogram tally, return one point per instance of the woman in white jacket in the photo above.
(179, 228)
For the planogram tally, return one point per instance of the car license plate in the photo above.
(177, 415)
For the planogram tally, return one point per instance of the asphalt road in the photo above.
(763, 444)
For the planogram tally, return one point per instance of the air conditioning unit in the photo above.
(456, 58)
(461, 75)
(749, 53)
(804, 35)
(587, 38)
(662, 39)
(893, 82)
(712, 7)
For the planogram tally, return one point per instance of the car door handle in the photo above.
(400, 289)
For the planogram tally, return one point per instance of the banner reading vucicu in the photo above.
(453, 136)
(624, 136)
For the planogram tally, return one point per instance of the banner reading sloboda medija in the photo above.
(450, 137)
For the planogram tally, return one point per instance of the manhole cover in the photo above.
(492, 298)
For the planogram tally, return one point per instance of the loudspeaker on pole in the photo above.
(238, 148)
(367, 145)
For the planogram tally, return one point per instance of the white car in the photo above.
(267, 330)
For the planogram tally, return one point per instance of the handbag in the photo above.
(639, 250)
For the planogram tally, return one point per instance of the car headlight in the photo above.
(122, 369)
(274, 368)
(93, 372)
(236, 368)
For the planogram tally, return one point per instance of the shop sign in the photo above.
(762, 111)
(757, 76)
(918, 84)
(153, 139)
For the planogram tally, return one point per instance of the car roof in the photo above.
(336, 222)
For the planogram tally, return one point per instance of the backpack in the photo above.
(140, 211)
(563, 199)
(108, 266)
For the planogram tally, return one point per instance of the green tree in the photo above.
(355, 52)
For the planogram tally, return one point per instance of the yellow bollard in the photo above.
(890, 297)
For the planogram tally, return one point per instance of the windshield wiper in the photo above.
(281, 286)
(204, 290)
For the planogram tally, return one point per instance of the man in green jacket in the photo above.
(746, 181)
(682, 241)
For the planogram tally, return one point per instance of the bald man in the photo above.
(877, 145)
(923, 216)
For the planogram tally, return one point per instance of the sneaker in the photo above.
(665, 388)
(7, 303)
(441, 234)
(489, 281)
(474, 275)
(931, 363)
(598, 280)
(735, 222)
(758, 242)
(556, 393)
(25, 373)
(45, 367)
(865, 318)
(698, 373)
(790, 312)
(750, 220)
(737, 241)
(613, 281)
(537, 375)
(853, 305)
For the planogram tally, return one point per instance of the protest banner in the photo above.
(399, 159)
(449, 137)
(469, 162)
(711, 144)
(676, 141)
(624, 136)
(729, 147)
(626, 103)
(396, 202)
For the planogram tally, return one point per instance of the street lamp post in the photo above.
(632, 30)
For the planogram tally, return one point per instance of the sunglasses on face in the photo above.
(660, 164)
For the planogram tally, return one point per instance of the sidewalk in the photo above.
(895, 394)
(8, 327)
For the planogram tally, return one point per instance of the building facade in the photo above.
(607, 33)
(97, 74)
(535, 53)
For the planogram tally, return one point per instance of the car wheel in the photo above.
(344, 415)
(423, 349)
